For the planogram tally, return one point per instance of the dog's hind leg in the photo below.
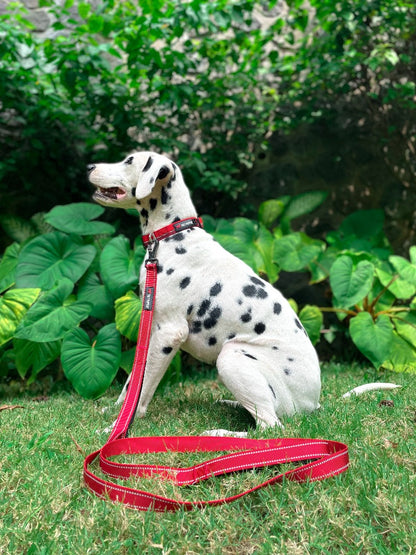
(243, 377)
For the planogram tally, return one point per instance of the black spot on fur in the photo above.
(249, 291)
(246, 317)
(170, 271)
(299, 325)
(163, 172)
(180, 250)
(261, 294)
(212, 340)
(164, 196)
(272, 390)
(185, 282)
(190, 309)
(240, 301)
(260, 328)
(231, 336)
(287, 371)
(257, 281)
(275, 348)
(196, 327)
(153, 203)
(159, 268)
(249, 356)
(133, 192)
(290, 359)
(138, 203)
(144, 213)
(176, 219)
(277, 308)
(166, 350)
(169, 185)
(148, 164)
(204, 307)
(215, 289)
(178, 236)
(213, 318)
(152, 180)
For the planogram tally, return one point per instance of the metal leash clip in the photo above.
(152, 248)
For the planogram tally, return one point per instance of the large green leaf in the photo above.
(53, 315)
(51, 257)
(405, 269)
(92, 291)
(13, 306)
(120, 265)
(76, 218)
(294, 252)
(270, 210)
(406, 327)
(91, 365)
(350, 284)
(373, 338)
(312, 320)
(304, 203)
(128, 311)
(402, 356)
(8, 266)
(34, 355)
(400, 288)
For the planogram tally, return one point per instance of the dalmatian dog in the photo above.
(209, 303)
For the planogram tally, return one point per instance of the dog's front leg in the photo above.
(165, 342)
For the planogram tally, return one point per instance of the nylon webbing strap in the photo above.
(325, 458)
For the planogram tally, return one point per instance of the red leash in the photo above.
(328, 457)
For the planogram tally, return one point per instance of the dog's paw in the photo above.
(224, 433)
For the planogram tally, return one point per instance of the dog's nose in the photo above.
(90, 167)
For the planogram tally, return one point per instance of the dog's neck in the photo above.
(168, 203)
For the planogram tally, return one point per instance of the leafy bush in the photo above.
(77, 274)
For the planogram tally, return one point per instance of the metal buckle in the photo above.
(152, 248)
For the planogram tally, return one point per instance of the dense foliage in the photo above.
(70, 294)
(200, 80)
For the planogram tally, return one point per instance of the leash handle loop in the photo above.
(326, 458)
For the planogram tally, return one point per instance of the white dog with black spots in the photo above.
(211, 304)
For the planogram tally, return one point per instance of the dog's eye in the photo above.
(129, 160)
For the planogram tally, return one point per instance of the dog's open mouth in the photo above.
(114, 193)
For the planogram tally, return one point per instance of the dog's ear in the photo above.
(157, 168)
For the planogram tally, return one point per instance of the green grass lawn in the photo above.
(44, 507)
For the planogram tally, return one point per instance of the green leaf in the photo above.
(270, 210)
(304, 203)
(405, 269)
(51, 257)
(402, 356)
(76, 218)
(400, 288)
(92, 291)
(296, 251)
(13, 306)
(128, 311)
(363, 223)
(350, 285)
(34, 355)
(8, 266)
(373, 339)
(406, 327)
(265, 246)
(312, 320)
(120, 265)
(53, 315)
(89, 365)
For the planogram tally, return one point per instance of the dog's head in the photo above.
(124, 183)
